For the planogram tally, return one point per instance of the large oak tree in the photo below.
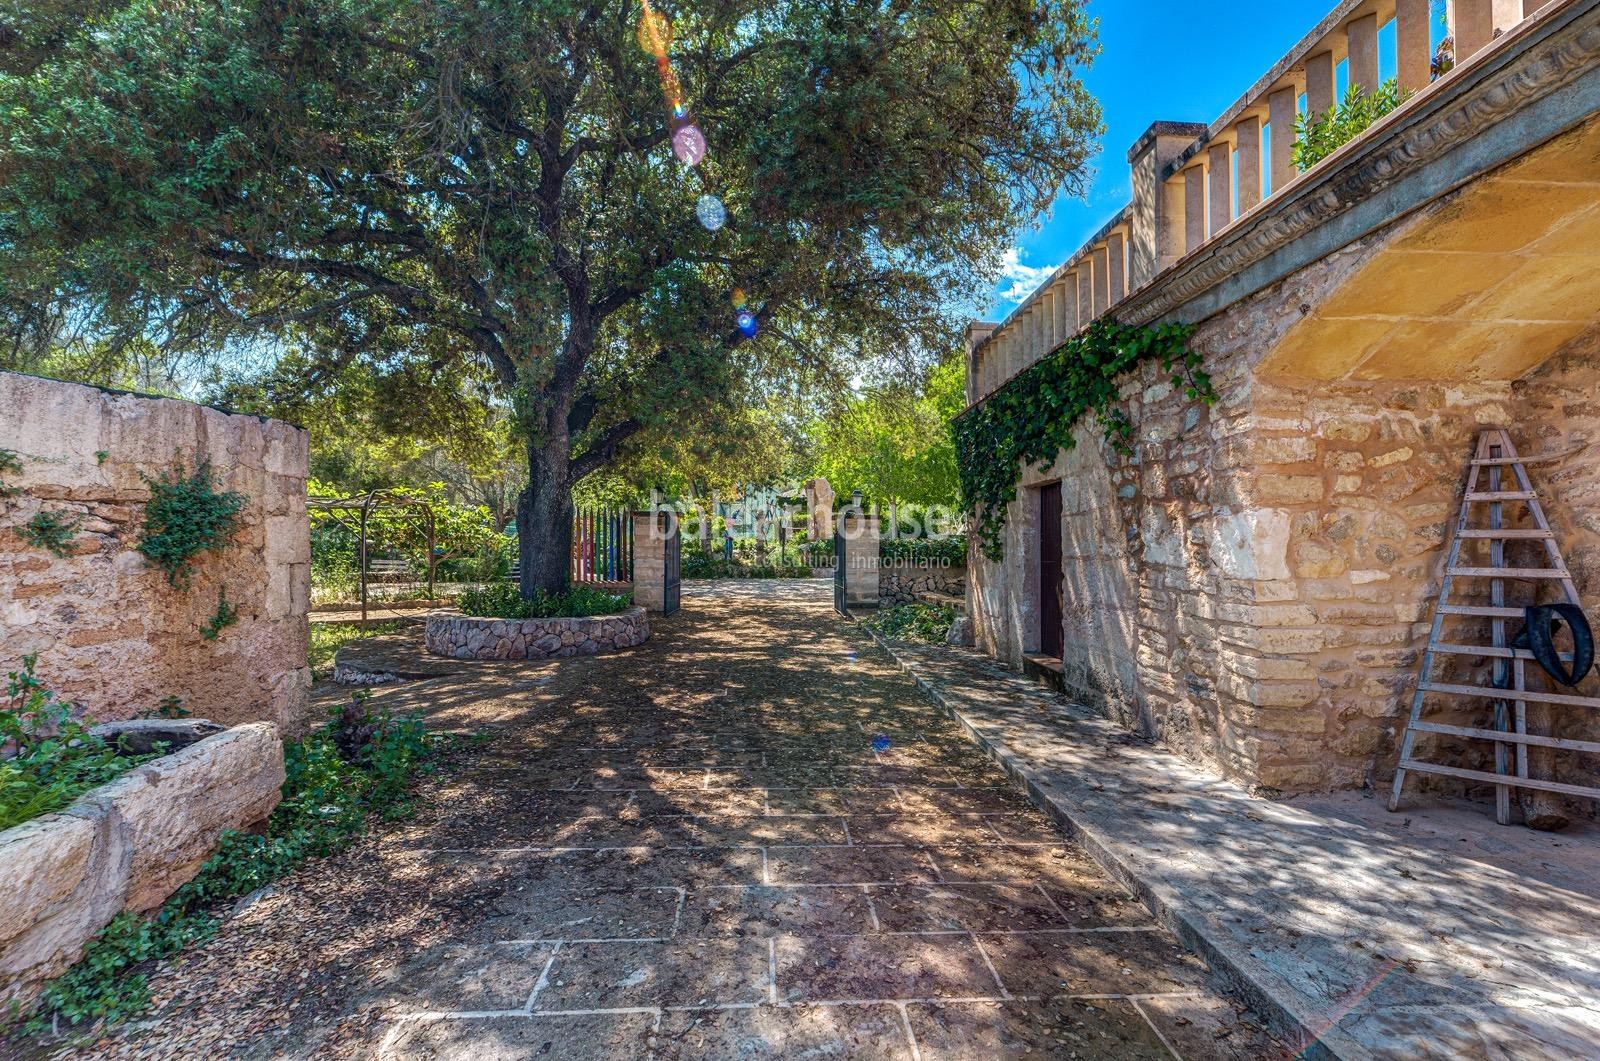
(435, 188)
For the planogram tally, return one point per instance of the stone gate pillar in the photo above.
(652, 534)
(860, 532)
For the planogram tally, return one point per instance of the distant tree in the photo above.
(440, 187)
(892, 442)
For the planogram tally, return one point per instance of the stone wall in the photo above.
(127, 845)
(111, 634)
(904, 581)
(467, 637)
(1253, 585)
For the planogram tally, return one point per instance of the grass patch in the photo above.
(504, 600)
(328, 638)
(927, 623)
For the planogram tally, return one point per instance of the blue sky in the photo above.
(1161, 60)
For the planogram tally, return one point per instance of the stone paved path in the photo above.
(750, 838)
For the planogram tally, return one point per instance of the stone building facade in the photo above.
(111, 634)
(1253, 585)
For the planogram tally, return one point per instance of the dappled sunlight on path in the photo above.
(749, 837)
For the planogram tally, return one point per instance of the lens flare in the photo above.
(747, 323)
(689, 144)
(712, 214)
(655, 32)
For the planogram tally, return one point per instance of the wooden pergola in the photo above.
(364, 505)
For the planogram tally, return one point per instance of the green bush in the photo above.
(328, 793)
(504, 600)
(928, 623)
(1317, 136)
(54, 758)
(186, 516)
(949, 550)
(714, 566)
(51, 531)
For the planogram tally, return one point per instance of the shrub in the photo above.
(714, 566)
(504, 600)
(186, 516)
(948, 550)
(50, 530)
(55, 759)
(1319, 135)
(928, 623)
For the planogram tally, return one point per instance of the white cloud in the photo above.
(1018, 280)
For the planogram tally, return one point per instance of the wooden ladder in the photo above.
(1494, 454)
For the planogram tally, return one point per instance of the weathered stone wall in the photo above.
(904, 581)
(111, 634)
(468, 637)
(126, 846)
(1253, 584)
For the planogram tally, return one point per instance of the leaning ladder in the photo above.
(1510, 734)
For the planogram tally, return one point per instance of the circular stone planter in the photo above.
(468, 637)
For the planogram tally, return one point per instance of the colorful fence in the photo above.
(602, 545)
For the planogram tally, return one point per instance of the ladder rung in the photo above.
(1507, 572)
(1505, 535)
(1492, 651)
(1508, 738)
(1491, 461)
(1490, 693)
(1500, 779)
(1501, 495)
(1483, 610)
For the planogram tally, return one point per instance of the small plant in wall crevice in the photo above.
(50, 530)
(186, 516)
(10, 464)
(225, 616)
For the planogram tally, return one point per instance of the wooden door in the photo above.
(1050, 570)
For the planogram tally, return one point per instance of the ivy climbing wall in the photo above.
(112, 631)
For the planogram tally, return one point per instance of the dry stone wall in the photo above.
(1253, 585)
(905, 581)
(110, 632)
(466, 637)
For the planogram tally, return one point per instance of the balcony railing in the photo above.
(1193, 182)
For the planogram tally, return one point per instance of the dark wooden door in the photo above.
(1050, 570)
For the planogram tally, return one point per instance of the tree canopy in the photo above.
(441, 190)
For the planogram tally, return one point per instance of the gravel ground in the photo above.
(750, 837)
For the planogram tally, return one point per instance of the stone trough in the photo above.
(467, 637)
(126, 845)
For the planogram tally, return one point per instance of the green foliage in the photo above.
(10, 464)
(101, 456)
(503, 600)
(328, 638)
(225, 616)
(1316, 136)
(54, 758)
(890, 441)
(185, 517)
(1031, 418)
(295, 170)
(327, 799)
(50, 530)
(952, 551)
(170, 707)
(927, 623)
(696, 564)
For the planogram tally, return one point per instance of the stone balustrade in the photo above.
(1191, 182)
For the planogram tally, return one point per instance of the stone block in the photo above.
(1288, 489)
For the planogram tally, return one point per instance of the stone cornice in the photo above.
(1540, 57)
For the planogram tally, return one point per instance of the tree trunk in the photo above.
(544, 518)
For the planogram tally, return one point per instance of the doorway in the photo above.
(1049, 573)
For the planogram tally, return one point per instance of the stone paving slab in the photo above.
(751, 837)
(1433, 933)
